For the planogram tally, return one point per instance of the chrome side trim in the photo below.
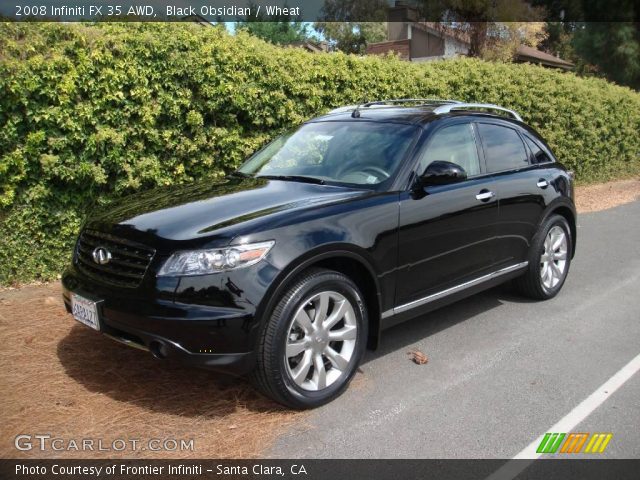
(387, 314)
(127, 342)
(458, 288)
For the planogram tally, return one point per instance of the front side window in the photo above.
(351, 152)
(503, 148)
(455, 144)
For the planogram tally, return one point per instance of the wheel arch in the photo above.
(340, 258)
(566, 210)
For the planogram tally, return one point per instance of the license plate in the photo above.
(85, 311)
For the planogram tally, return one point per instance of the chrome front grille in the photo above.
(127, 266)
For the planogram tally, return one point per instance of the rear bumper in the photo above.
(216, 338)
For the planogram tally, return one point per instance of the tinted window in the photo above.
(539, 155)
(503, 148)
(454, 144)
(343, 152)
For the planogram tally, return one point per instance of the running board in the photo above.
(449, 291)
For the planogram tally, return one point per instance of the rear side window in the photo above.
(454, 144)
(503, 147)
(539, 155)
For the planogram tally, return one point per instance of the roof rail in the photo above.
(421, 101)
(470, 106)
(392, 102)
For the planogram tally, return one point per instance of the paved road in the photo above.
(502, 370)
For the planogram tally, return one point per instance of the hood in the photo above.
(187, 212)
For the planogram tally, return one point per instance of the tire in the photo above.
(294, 349)
(549, 260)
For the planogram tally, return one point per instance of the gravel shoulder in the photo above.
(63, 379)
(602, 196)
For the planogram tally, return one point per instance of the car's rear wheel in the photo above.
(549, 260)
(312, 344)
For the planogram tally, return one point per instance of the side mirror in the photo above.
(443, 173)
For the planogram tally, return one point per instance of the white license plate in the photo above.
(85, 311)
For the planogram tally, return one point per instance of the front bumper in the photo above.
(212, 337)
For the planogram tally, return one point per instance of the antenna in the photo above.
(356, 111)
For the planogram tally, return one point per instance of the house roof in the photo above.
(443, 30)
(526, 54)
(523, 53)
(314, 47)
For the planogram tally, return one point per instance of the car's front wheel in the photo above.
(549, 260)
(314, 340)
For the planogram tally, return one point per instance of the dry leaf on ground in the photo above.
(418, 357)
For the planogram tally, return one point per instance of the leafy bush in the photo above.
(92, 112)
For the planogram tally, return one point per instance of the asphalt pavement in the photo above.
(502, 369)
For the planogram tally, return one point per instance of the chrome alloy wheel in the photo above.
(321, 340)
(553, 261)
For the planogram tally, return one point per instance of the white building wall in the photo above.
(452, 48)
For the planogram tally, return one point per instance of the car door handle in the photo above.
(542, 183)
(485, 195)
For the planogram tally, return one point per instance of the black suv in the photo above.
(355, 221)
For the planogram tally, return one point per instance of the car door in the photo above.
(447, 232)
(521, 188)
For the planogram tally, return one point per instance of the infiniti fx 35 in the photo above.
(291, 267)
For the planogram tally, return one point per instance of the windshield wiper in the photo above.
(294, 178)
(238, 173)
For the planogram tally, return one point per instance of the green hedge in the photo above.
(92, 112)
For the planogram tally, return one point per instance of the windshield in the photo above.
(362, 153)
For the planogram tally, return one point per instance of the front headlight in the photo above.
(200, 262)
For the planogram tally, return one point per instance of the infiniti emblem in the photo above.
(101, 255)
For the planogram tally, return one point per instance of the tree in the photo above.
(349, 25)
(558, 41)
(613, 48)
(495, 27)
(504, 38)
(279, 30)
(352, 37)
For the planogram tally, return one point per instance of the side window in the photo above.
(503, 148)
(454, 144)
(539, 155)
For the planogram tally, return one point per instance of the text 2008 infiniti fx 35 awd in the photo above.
(289, 268)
